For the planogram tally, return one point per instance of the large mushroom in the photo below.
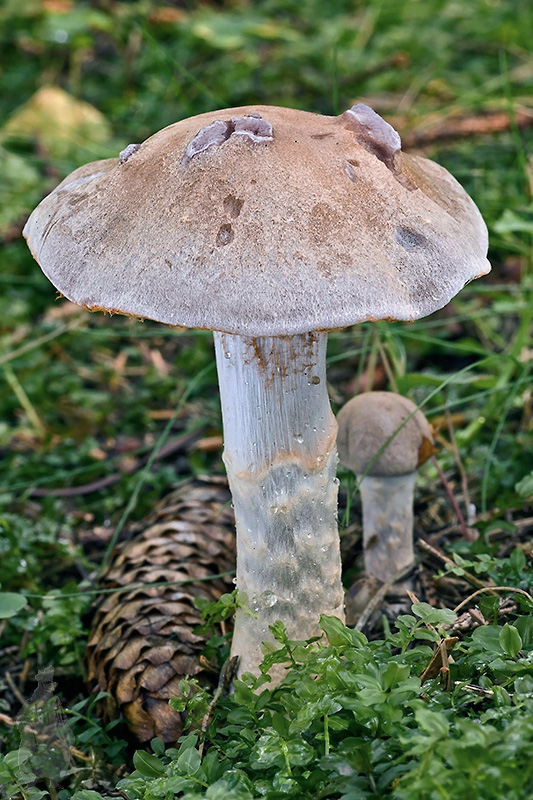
(269, 226)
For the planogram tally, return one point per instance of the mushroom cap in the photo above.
(262, 221)
(368, 420)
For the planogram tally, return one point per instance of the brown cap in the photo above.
(365, 424)
(262, 221)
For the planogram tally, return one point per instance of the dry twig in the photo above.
(483, 124)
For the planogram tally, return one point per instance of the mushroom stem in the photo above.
(281, 460)
(387, 524)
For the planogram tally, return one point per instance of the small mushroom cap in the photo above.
(368, 420)
(262, 221)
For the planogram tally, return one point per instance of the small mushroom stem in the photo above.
(387, 524)
(281, 460)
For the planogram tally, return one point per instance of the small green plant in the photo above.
(512, 571)
(90, 732)
(59, 631)
(351, 719)
(17, 778)
(40, 762)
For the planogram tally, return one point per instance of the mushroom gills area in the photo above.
(387, 524)
(281, 460)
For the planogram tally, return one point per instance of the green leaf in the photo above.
(227, 599)
(158, 746)
(338, 724)
(372, 697)
(10, 604)
(148, 765)
(502, 698)
(510, 222)
(178, 703)
(405, 619)
(460, 561)
(280, 724)
(211, 766)
(517, 559)
(279, 633)
(15, 758)
(426, 635)
(177, 784)
(268, 752)
(433, 616)
(488, 637)
(510, 640)
(218, 791)
(33, 793)
(524, 626)
(189, 761)
(338, 634)
(432, 722)
(229, 789)
(299, 753)
(489, 607)
(524, 487)
(241, 716)
(395, 673)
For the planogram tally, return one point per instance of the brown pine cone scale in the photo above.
(142, 642)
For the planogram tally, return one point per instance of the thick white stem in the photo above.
(281, 459)
(387, 524)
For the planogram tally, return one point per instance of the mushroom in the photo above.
(384, 438)
(269, 226)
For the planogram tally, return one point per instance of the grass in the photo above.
(82, 395)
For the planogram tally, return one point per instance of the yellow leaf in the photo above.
(58, 121)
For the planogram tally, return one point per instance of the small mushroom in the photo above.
(269, 226)
(383, 421)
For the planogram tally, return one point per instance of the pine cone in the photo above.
(142, 642)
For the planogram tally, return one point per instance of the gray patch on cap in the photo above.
(127, 153)
(373, 133)
(252, 127)
(211, 135)
(409, 238)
